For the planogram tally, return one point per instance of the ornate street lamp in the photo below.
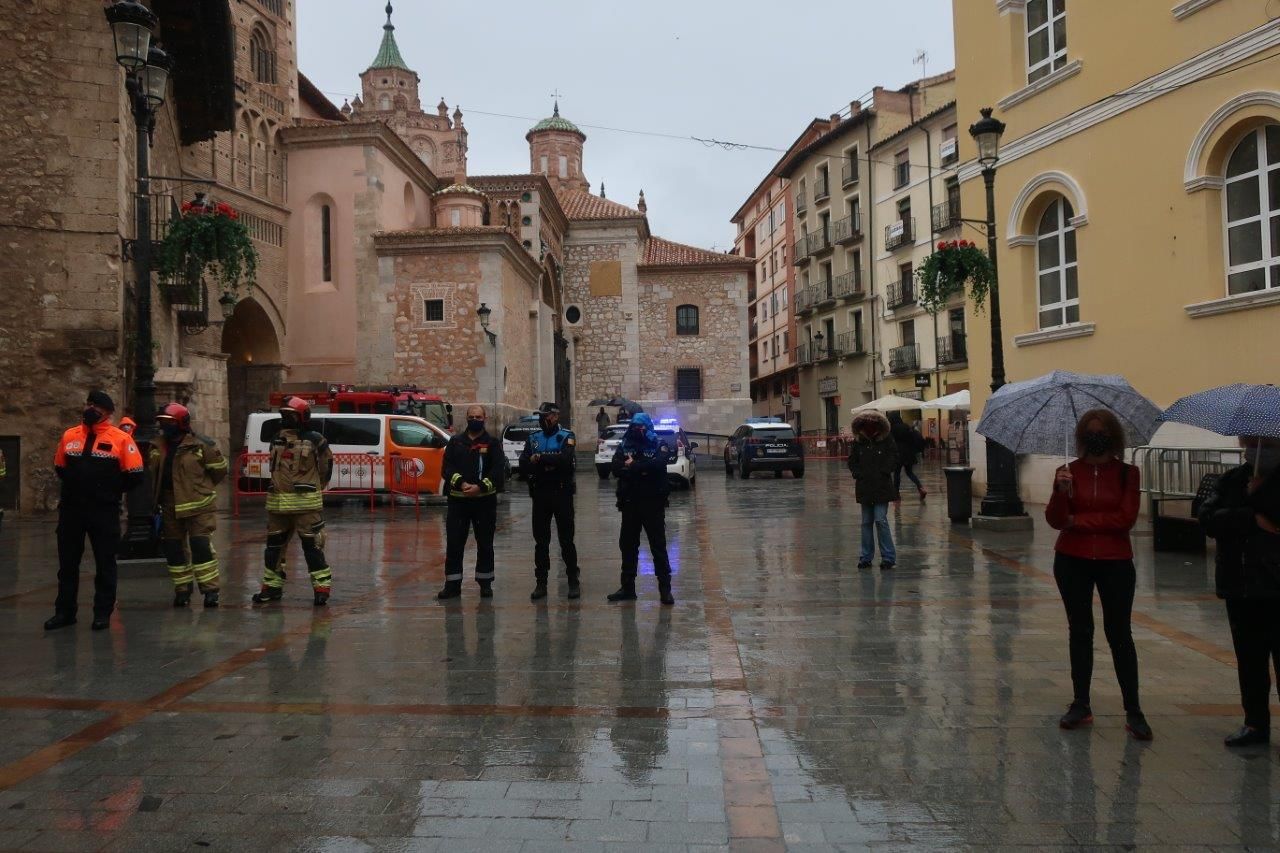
(227, 302)
(817, 346)
(1001, 500)
(484, 312)
(132, 26)
(155, 76)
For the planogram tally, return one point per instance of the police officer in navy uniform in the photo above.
(640, 467)
(472, 470)
(547, 463)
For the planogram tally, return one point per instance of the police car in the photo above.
(682, 471)
(513, 440)
(764, 444)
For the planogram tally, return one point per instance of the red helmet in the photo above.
(299, 407)
(177, 413)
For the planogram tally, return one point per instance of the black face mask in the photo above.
(172, 433)
(475, 425)
(1096, 443)
(91, 416)
(291, 421)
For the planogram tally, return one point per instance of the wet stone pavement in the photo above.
(788, 701)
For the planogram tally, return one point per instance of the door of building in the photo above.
(832, 410)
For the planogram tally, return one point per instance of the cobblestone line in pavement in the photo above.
(41, 760)
(749, 801)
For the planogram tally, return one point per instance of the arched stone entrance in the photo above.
(253, 364)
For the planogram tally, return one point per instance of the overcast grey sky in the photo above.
(749, 72)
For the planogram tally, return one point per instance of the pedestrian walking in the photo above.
(301, 463)
(473, 469)
(640, 466)
(1243, 515)
(873, 461)
(186, 469)
(547, 464)
(1095, 504)
(602, 422)
(97, 463)
(910, 445)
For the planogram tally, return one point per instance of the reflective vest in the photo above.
(301, 463)
(96, 464)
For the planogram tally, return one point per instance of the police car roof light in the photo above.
(764, 420)
(669, 421)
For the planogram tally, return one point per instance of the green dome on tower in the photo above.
(556, 122)
(389, 52)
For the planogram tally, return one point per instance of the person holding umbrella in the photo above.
(1094, 505)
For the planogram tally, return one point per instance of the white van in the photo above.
(389, 438)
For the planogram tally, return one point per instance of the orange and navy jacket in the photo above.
(97, 464)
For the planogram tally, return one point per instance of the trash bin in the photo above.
(959, 493)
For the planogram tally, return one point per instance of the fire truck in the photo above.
(399, 400)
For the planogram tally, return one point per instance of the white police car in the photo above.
(682, 471)
(513, 441)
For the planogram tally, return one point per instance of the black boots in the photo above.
(320, 596)
(452, 589)
(211, 599)
(59, 620)
(664, 592)
(539, 591)
(626, 592)
(182, 596)
(486, 589)
(575, 588)
(268, 594)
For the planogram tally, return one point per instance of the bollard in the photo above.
(959, 493)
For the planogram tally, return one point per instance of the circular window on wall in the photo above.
(526, 197)
(526, 220)
(573, 315)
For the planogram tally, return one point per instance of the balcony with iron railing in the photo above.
(901, 293)
(822, 293)
(849, 173)
(899, 233)
(800, 251)
(850, 343)
(904, 359)
(848, 285)
(802, 204)
(953, 349)
(805, 354)
(847, 230)
(804, 301)
(821, 187)
(946, 215)
(820, 240)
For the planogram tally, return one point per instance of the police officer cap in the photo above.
(101, 400)
(548, 409)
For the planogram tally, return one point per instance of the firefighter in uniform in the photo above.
(96, 463)
(301, 463)
(640, 465)
(472, 470)
(547, 463)
(187, 470)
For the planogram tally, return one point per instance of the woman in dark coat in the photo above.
(1243, 515)
(872, 462)
(910, 443)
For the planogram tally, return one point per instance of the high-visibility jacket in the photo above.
(301, 463)
(97, 464)
(198, 466)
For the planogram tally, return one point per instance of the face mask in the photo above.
(475, 425)
(172, 432)
(290, 421)
(1096, 443)
(91, 416)
(1265, 459)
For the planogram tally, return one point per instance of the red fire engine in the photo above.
(405, 400)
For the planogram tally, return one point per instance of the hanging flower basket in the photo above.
(207, 238)
(947, 271)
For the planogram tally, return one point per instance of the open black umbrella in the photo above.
(628, 407)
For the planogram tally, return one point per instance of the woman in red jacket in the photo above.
(1095, 505)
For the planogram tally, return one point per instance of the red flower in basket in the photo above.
(941, 245)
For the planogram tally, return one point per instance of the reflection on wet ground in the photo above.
(788, 701)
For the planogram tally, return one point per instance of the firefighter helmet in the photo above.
(177, 413)
(299, 407)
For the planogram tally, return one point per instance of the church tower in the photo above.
(390, 93)
(555, 150)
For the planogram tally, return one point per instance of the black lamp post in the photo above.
(1002, 499)
(484, 312)
(147, 70)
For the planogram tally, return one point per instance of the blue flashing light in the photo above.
(668, 421)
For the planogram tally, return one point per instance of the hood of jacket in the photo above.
(872, 416)
(650, 436)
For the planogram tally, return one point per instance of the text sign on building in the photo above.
(895, 229)
(947, 148)
(923, 380)
(828, 386)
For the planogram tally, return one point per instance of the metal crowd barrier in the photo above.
(405, 472)
(1177, 476)
(353, 474)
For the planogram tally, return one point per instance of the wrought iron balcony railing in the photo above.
(847, 230)
(850, 343)
(953, 349)
(848, 285)
(946, 215)
(899, 233)
(901, 293)
(904, 359)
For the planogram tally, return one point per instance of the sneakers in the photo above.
(1136, 725)
(268, 594)
(320, 596)
(923, 494)
(452, 589)
(182, 596)
(1247, 736)
(211, 599)
(865, 564)
(887, 566)
(1077, 715)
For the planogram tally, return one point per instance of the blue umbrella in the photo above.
(1040, 415)
(1233, 410)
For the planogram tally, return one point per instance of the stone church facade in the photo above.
(376, 245)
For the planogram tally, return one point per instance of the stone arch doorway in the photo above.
(254, 370)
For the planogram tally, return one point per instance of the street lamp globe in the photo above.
(155, 75)
(227, 302)
(131, 26)
(483, 313)
(987, 132)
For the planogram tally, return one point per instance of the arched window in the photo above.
(687, 320)
(326, 243)
(1059, 287)
(384, 103)
(1253, 212)
(262, 56)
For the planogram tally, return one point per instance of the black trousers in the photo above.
(1255, 633)
(463, 516)
(557, 506)
(1116, 581)
(101, 524)
(651, 517)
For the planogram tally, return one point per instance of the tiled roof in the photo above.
(389, 52)
(579, 205)
(665, 253)
(556, 122)
(460, 189)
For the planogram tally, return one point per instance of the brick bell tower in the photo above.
(555, 150)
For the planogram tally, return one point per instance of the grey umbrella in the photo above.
(1040, 415)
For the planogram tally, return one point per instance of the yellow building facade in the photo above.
(1137, 193)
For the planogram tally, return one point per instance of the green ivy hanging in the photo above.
(208, 237)
(946, 272)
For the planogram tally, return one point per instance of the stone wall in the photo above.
(443, 356)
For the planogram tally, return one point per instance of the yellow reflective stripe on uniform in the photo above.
(277, 502)
(487, 483)
(191, 506)
(216, 466)
(206, 572)
(181, 575)
(453, 481)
